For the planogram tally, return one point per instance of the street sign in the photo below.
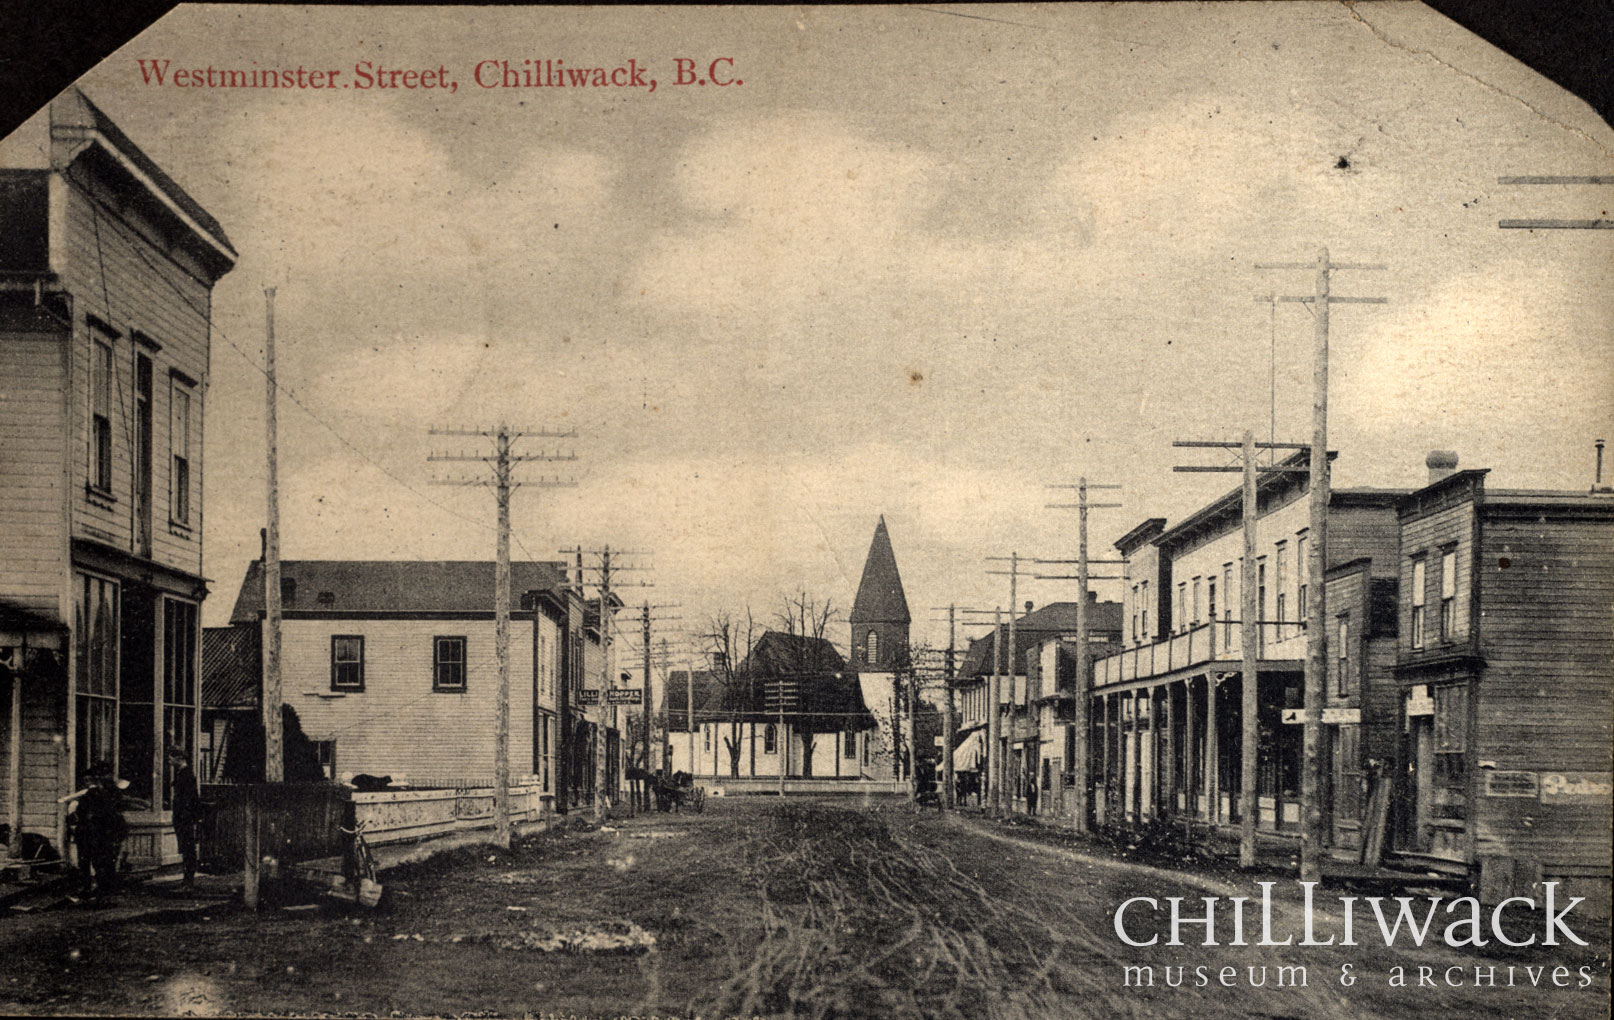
(588, 696)
(623, 696)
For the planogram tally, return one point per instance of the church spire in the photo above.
(880, 598)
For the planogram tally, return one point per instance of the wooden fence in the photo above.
(304, 821)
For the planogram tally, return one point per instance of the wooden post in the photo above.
(1249, 636)
(14, 766)
(501, 644)
(949, 798)
(1014, 715)
(273, 729)
(1316, 623)
(252, 865)
(1084, 662)
(994, 719)
(606, 677)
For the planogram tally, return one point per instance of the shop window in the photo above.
(95, 628)
(1451, 750)
(179, 683)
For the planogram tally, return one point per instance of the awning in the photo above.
(968, 755)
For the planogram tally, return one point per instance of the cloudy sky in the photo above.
(921, 263)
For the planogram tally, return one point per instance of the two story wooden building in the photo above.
(1504, 662)
(390, 667)
(107, 269)
(1166, 710)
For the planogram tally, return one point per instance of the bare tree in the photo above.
(728, 643)
(808, 657)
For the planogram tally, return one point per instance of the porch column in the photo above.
(1213, 797)
(1169, 755)
(1189, 756)
(1135, 760)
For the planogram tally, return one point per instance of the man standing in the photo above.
(187, 807)
(99, 829)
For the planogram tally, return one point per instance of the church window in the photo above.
(770, 739)
(871, 650)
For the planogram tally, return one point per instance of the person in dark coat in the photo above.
(188, 810)
(99, 829)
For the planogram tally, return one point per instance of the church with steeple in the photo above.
(879, 650)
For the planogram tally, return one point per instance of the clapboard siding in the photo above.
(1547, 693)
(398, 725)
(132, 284)
(1427, 536)
(33, 566)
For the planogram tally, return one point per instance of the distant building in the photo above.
(789, 705)
(390, 666)
(1036, 740)
(107, 269)
(879, 625)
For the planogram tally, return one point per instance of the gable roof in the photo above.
(230, 667)
(393, 586)
(826, 698)
(880, 598)
(1056, 619)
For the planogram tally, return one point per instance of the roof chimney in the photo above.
(720, 661)
(1092, 597)
(1029, 604)
(1441, 464)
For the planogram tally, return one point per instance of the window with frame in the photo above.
(1143, 609)
(1227, 609)
(1282, 578)
(448, 664)
(849, 744)
(1450, 787)
(1419, 593)
(101, 383)
(1210, 595)
(1303, 572)
(1197, 603)
(770, 739)
(179, 683)
(325, 754)
(179, 446)
(1182, 607)
(1134, 614)
(1448, 594)
(1342, 639)
(347, 662)
(95, 617)
(1261, 601)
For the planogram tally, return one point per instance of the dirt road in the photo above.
(754, 908)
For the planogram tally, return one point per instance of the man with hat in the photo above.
(187, 806)
(99, 829)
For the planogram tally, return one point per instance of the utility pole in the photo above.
(1013, 573)
(950, 716)
(994, 717)
(1249, 624)
(1311, 831)
(1084, 651)
(607, 569)
(503, 483)
(273, 729)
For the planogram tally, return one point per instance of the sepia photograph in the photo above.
(960, 511)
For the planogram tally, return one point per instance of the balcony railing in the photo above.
(1205, 642)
